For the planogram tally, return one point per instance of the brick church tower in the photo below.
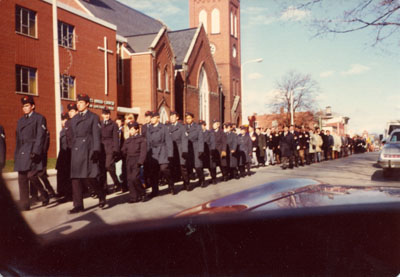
(221, 20)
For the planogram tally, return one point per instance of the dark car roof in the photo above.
(295, 193)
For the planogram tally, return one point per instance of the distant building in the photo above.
(333, 122)
(306, 119)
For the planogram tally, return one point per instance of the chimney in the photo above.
(328, 111)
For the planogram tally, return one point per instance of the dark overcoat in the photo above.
(30, 137)
(159, 143)
(177, 133)
(304, 140)
(134, 150)
(220, 145)
(85, 140)
(64, 156)
(276, 138)
(209, 147)
(245, 148)
(262, 144)
(2, 148)
(109, 141)
(231, 142)
(287, 144)
(193, 145)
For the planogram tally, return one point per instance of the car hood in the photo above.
(294, 193)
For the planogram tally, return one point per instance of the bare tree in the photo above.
(382, 17)
(304, 89)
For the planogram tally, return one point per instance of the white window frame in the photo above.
(215, 21)
(63, 77)
(231, 23)
(236, 24)
(166, 79)
(61, 37)
(19, 12)
(20, 70)
(158, 78)
(203, 19)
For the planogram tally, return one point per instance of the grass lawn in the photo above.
(51, 163)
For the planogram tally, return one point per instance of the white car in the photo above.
(389, 158)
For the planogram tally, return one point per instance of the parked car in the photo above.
(389, 159)
(356, 236)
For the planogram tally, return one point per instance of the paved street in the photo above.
(53, 220)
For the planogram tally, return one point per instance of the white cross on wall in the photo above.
(105, 64)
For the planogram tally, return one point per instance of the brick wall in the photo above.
(85, 63)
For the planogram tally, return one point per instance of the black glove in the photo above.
(35, 158)
(185, 155)
(95, 156)
(116, 156)
(201, 155)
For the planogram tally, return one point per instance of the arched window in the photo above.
(215, 26)
(203, 19)
(158, 78)
(236, 24)
(166, 77)
(204, 96)
(231, 23)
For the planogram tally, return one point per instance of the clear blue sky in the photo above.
(356, 79)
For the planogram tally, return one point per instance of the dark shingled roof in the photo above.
(128, 20)
(180, 41)
(141, 43)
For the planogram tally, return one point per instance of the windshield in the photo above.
(139, 110)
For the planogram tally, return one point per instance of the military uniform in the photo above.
(193, 149)
(231, 150)
(110, 152)
(244, 153)
(207, 158)
(134, 150)
(42, 174)
(63, 166)
(85, 155)
(159, 149)
(2, 148)
(30, 137)
(177, 164)
(219, 154)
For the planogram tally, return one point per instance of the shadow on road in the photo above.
(393, 176)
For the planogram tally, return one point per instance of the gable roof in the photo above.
(141, 43)
(181, 41)
(129, 21)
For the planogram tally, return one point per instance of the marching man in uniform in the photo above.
(134, 150)
(110, 149)
(31, 134)
(85, 131)
(193, 149)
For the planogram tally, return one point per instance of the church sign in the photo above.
(102, 104)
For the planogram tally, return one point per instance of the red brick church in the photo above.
(124, 59)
